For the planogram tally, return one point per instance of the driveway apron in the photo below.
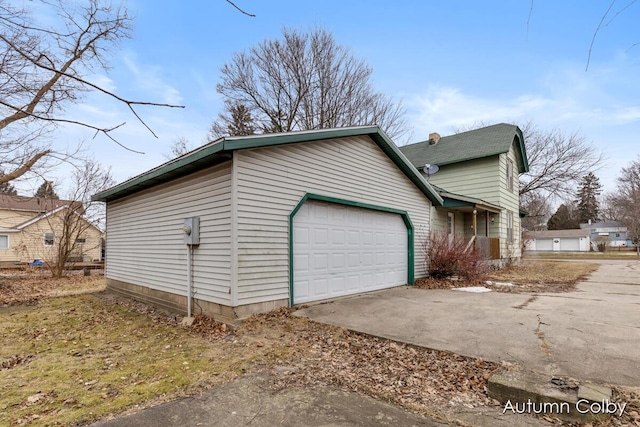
(592, 333)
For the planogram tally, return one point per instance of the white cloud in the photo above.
(442, 109)
(149, 79)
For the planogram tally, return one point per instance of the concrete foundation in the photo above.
(536, 393)
(174, 303)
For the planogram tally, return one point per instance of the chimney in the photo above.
(434, 138)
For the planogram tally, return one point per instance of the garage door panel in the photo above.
(570, 244)
(544, 244)
(341, 250)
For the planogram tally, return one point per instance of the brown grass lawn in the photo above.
(529, 276)
(70, 360)
(544, 276)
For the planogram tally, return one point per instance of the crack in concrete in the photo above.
(544, 344)
(526, 303)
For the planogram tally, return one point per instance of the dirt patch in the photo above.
(29, 287)
(530, 276)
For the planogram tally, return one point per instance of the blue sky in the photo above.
(450, 63)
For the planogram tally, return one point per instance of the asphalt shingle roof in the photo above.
(474, 144)
(32, 204)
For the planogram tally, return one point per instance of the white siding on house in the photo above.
(145, 239)
(273, 180)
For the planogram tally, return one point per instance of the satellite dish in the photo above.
(430, 169)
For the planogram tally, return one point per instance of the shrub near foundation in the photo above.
(448, 257)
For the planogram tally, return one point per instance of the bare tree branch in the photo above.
(306, 81)
(42, 70)
(242, 11)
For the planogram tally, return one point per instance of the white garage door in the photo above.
(341, 250)
(570, 244)
(544, 244)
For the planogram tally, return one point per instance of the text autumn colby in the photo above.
(582, 406)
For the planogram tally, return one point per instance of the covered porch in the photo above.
(474, 220)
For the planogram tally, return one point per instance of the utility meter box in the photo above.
(191, 230)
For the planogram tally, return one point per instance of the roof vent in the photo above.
(434, 138)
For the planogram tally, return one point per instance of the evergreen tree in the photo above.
(563, 219)
(7, 187)
(588, 206)
(236, 121)
(46, 191)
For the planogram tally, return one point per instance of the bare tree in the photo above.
(306, 81)
(557, 161)
(179, 147)
(44, 68)
(626, 199)
(538, 208)
(74, 228)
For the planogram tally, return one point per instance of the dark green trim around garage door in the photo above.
(405, 218)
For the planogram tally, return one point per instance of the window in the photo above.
(510, 227)
(509, 174)
(451, 223)
(81, 241)
(49, 239)
(4, 241)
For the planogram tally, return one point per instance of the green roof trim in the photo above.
(475, 144)
(221, 150)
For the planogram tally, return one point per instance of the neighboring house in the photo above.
(281, 219)
(612, 233)
(558, 240)
(31, 228)
(478, 180)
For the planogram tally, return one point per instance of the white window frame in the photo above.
(451, 225)
(8, 241)
(510, 175)
(81, 240)
(44, 239)
(509, 226)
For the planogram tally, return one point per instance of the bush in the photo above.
(447, 257)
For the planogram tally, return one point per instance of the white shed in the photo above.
(284, 219)
(558, 240)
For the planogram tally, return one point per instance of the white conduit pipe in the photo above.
(189, 279)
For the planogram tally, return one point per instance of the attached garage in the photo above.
(284, 219)
(342, 250)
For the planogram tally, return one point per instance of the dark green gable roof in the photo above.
(475, 144)
(221, 150)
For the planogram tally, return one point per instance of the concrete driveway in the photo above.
(590, 334)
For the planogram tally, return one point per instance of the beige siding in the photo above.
(11, 218)
(145, 238)
(9, 254)
(271, 182)
(28, 244)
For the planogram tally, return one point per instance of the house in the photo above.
(578, 240)
(249, 224)
(611, 233)
(478, 181)
(31, 228)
